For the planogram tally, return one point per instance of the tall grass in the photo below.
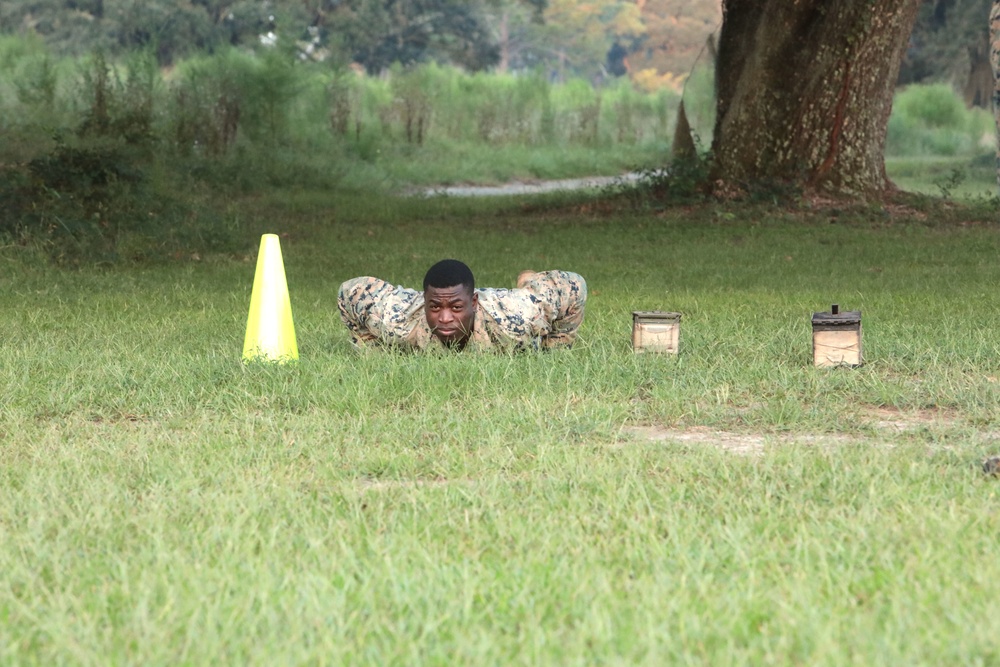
(265, 101)
(96, 152)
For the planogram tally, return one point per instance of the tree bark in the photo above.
(995, 65)
(504, 39)
(804, 92)
(978, 88)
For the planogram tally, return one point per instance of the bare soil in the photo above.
(888, 424)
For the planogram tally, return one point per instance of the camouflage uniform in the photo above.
(543, 312)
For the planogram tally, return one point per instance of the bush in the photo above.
(933, 120)
(75, 199)
(120, 107)
(933, 106)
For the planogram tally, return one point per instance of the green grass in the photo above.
(951, 177)
(162, 503)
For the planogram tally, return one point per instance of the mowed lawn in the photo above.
(162, 503)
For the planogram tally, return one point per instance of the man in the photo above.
(543, 312)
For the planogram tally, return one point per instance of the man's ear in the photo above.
(475, 298)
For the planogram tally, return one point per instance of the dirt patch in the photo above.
(737, 443)
(888, 423)
(896, 420)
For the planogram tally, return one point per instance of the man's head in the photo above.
(450, 301)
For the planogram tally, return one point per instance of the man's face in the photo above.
(451, 313)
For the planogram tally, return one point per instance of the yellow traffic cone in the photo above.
(270, 330)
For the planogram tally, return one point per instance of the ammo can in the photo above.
(655, 331)
(837, 338)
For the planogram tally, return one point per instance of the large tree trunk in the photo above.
(995, 65)
(805, 90)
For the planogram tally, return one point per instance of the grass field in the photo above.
(162, 503)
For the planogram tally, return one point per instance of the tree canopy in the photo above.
(950, 42)
(650, 40)
(375, 33)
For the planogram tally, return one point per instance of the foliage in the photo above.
(661, 41)
(91, 151)
(119, 106)
(574, 39)
(948, 33)
(78, 199)
(101, 157)
(81, 163)
(682, 183)
(269, 87)
(372, 32)
(378, 34)
(675, 40)
(564, 37)
(207, 103)
(934, 106)
(932, 120)
(172, 30)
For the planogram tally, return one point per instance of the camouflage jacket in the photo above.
(544, 312)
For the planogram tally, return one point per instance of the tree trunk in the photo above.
(504, 39)
(995, 64)
(683, 148)
(804, 92)
(978, 89)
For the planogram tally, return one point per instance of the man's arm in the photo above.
(563, 295)
(375, 311)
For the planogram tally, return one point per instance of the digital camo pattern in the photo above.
(995, 64)
(543, 312)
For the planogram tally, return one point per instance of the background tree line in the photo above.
(655, 42)
(91, 143)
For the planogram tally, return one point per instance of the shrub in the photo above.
(207, 103)
(934, 106)
(218, 100)
(412, 94)
(933, 120)
(118, 107)
(75, 199)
